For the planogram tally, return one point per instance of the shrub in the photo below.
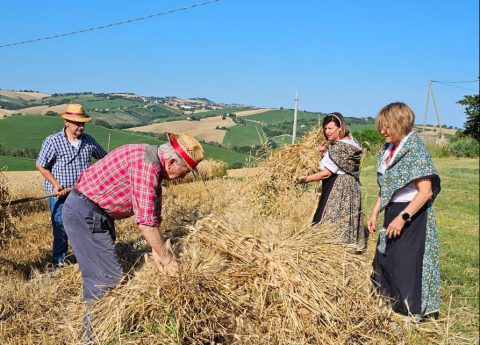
(467, 147)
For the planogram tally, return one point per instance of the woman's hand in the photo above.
(321, 149)
(371, 223)
(301, 179)
(395, 227)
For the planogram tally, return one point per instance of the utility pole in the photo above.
(439, 132)
(295, 119)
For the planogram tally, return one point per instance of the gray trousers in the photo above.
(92, 235)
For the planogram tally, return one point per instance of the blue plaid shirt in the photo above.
(66, 162)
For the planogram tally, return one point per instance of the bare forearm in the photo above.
(47, 174)
(420, 199)
(156, 240)
(376, 208)
(321, 175)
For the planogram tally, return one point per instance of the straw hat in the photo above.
(188, 148)
(75, 113)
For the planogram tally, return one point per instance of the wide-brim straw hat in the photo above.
(76, 113)
(189, 149)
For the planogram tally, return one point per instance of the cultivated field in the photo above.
(26, 96)
(205, 129)
(252, 271)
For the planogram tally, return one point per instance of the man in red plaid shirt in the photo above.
(127, 182)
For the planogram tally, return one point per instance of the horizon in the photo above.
(349, 57)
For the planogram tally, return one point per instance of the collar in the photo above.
(162, 165)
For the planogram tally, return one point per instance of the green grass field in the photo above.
(29, 131)
(12, 100)
(277, 116)
(16, 164)
(240, 135)
(457, 211)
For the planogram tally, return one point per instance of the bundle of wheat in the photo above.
(276, 175)
(247, 279)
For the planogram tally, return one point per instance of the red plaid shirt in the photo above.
(126, 182)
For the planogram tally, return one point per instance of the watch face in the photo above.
(405, 216)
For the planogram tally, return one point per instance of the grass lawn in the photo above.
(457, 212)
(16, 164)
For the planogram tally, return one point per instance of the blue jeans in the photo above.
(60, 239)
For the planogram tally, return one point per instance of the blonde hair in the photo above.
(398, 117)
(339, 121)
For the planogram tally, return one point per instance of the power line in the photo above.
(110, 25)
(456, 82)
(458, 87)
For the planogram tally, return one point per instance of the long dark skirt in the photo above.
(397, 273)
(327, 186)
(340, 205)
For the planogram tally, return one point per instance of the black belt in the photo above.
(85, 198)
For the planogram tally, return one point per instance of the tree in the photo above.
(472, 110)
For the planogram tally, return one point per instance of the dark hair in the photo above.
(339, 121)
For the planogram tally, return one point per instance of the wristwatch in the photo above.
(406, 217)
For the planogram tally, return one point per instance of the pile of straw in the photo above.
(277, 173)
(249, 280)
(209, 169)
(7, 228)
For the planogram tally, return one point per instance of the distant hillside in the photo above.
(233, 130)
(22, 136)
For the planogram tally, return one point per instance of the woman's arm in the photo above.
(424, 194)
(374, 216)
(321, 175)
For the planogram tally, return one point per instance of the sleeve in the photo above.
(47, 154)
(146, 187)
(327, 163)
(98, 151)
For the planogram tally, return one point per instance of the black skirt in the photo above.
(397, 273)
(327, 186)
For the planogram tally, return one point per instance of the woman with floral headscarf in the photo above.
(340, 200)
(406, 264)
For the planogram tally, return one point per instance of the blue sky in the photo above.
(348, 56)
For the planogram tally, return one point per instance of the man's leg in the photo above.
(92, 237)
(60, 239)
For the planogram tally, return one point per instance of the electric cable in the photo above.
(110, 25)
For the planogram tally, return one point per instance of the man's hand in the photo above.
(167, 263)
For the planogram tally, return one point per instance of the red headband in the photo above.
(70, 113)
(176, 146)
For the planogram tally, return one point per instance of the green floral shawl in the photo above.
(413, 162)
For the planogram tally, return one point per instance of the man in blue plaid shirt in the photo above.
(63, 157)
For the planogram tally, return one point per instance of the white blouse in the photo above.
(327, 162)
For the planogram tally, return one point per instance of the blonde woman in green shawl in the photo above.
(406, 264)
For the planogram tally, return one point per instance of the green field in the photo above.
(276, 116)
(457, 211)
(240, 135)
(29, 131)
(16, 164)
(15, 101)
